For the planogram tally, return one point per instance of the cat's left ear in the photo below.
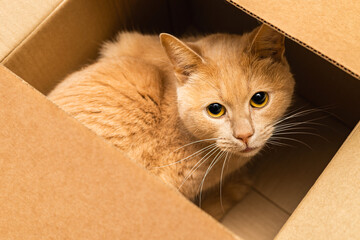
(184, 59)
(266, 42)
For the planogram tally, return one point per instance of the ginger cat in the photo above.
(191, 111)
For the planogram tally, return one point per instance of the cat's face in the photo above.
(232, 89)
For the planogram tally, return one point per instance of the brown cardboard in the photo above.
(64, 42)
(51, 44)
(73, 33)
(331, 209)
(60, 181)
(327, 28)
(255, 218)
(14, 29)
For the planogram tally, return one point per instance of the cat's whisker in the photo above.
(212, 164)
(292, 139)
(205, 174)
(272, 142)
(221, 181)
(198, 141)
(303, 110)
(296, 132)
(290, 125)
(286, 128)
(292, 128)
(294, 111)
(318, 109)
(297, 114)
(303, 125)
(188, 157)
(196, 166)
(292, 131)
(301, 133)
(310, 122)
(306, 111)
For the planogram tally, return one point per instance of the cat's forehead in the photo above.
(234, 73)
(233, 84)
(235, 81)
(223, 46)
(237, 73)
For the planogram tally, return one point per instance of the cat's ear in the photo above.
(184, 59)
(266, 42)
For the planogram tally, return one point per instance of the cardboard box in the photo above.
(59, 180)
(14, 28)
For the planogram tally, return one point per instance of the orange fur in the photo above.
(149, 99)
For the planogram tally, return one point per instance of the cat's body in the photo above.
(133, 98)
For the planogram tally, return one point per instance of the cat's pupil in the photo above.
(215, 108)
(258, 97)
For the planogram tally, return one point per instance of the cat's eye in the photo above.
(215, 110)
(259, 99)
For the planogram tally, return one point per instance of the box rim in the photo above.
(323, 55)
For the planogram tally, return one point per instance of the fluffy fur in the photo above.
(148, 97)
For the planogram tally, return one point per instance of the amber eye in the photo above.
(259, 99)
(215, 110)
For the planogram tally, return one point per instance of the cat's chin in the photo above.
(248, 152)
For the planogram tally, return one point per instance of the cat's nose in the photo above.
(243, 136)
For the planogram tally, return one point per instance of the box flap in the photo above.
(331, 209)
(52, 51)
(18, 19)
(60, 180)
(330, 29)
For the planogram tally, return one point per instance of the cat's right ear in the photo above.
(267, 43)
(184, 59)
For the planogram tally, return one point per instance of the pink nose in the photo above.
(244, 136)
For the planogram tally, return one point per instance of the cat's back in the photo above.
(124, 70)
(119, 98)
(134, 44)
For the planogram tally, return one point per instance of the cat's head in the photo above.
(230, 88)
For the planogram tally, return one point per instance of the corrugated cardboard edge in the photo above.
(331, 209)
(324, 56)
(60, 180)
